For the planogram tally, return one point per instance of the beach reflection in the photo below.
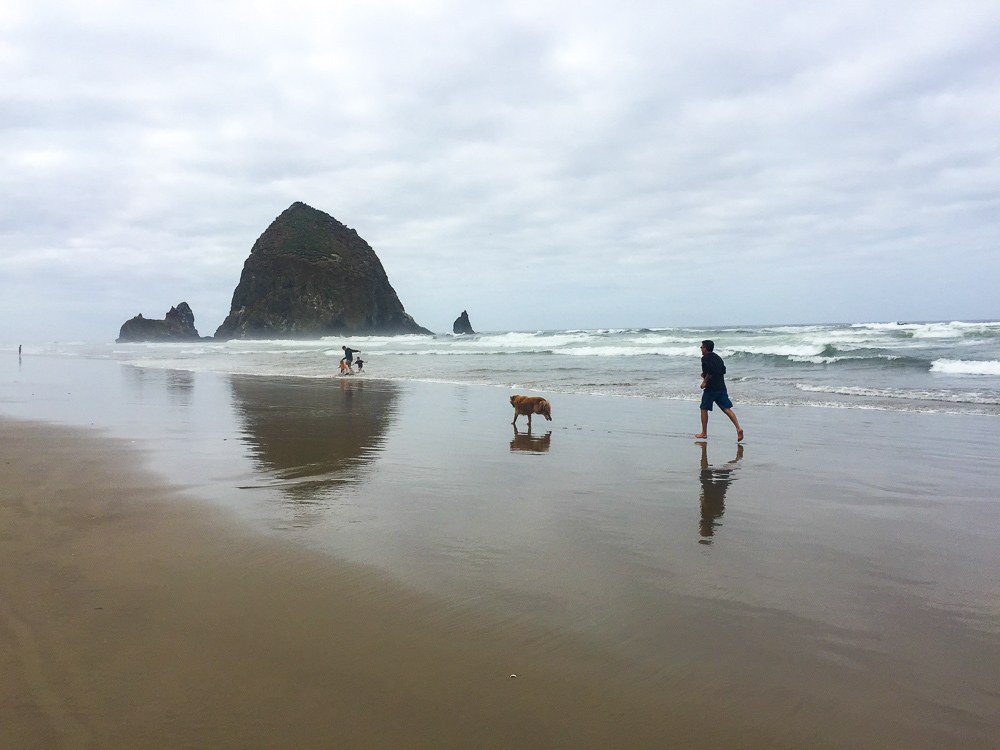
(313, 435)
(528, 443)
(715, 481)
(179, 384)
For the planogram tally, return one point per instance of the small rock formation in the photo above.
(462, 324)
(309, 275)
(177, 325)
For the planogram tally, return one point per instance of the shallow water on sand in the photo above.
(836, 574)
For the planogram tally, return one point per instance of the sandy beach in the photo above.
(131, 618)
(198, 560)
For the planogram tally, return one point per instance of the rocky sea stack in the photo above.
(309, 275)
(177, 325)
(462, 324)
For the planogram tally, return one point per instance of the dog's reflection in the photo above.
(528, 443)
(715, 480)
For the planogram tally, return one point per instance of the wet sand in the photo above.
(131, 618)
(273, 563)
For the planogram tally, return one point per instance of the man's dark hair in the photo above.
(708, 344)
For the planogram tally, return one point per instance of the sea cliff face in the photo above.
(309, 275)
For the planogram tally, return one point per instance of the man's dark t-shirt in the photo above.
(713, 366)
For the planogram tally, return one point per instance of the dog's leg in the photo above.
(515, 418)
(529, 421)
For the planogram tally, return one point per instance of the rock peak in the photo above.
(310, 275)
(462, 324)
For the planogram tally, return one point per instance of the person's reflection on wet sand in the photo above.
(527, 443)
(715, 481)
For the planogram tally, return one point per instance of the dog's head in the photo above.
(546, 410)
(513, 400)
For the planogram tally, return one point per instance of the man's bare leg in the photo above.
(732, 417)
(704, 425)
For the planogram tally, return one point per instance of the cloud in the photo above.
(559, 165)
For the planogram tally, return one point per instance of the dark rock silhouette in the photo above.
(462, 324)
(177, 325)
(309, 275)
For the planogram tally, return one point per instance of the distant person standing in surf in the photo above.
(713, 386)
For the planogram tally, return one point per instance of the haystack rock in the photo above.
(309, 275)
(177, 325)
(462, 324)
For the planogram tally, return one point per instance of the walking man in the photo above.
(713, 386)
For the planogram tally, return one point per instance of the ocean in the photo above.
(941, 367)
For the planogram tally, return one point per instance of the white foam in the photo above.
(787, 350)
(894, 393)
(965, 367)
(626, 351)
(941, 330)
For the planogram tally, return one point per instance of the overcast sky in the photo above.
(540, 164)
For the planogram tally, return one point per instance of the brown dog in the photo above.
(530, 405)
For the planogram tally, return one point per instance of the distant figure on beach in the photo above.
(713, 386)
(714, 483)
(360, 363)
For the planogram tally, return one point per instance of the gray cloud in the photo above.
(539, 164)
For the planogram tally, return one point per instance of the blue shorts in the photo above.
(718, 397)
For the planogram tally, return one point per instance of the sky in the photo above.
(540, 164)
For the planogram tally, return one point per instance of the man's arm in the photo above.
(706, 373)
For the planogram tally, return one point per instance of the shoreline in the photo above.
(851, 366)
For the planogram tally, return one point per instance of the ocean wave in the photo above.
(966, 367)
(778, 350)
(795, 329)
(951, 397)
(519, 340)
(655, 339)
(955, 329)
(809, 356)
(626, 351)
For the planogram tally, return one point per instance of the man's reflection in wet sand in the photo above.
(715, 481)
(528, 443)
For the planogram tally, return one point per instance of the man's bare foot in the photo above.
(703, 435)
(739, 436)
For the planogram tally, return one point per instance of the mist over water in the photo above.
(951, 367)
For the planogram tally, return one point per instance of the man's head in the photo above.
(708, 345)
